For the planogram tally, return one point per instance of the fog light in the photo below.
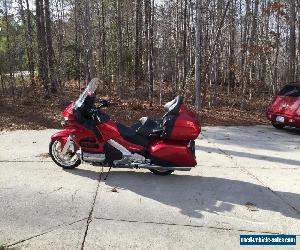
(291, 120)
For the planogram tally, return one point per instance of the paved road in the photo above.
(247, 181)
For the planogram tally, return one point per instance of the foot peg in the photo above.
(125, 161)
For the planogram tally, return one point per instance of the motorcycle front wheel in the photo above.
(67, 161)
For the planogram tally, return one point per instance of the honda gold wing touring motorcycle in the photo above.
(162, 145)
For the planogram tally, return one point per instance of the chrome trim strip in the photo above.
(164, 168)
(69, 142)
(88, 157)
(118, 146)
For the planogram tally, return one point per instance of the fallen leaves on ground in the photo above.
(43, 155)
(114, 190)
(32, 111)
(251, 206)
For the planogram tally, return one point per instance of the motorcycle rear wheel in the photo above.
(68, 161)
(161, 172)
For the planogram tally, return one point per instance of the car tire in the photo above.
(278, 126)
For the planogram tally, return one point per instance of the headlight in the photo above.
(64, 122)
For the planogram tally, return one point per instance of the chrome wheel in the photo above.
(68, 160)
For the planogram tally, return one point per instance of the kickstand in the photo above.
(107, 173)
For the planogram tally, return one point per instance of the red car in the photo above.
(285, 108)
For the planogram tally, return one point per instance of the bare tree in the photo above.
(41, 41)
(198, 55)
(292, 41)
(138, 43)
(8, 47)
(232, 42)
(149, 47)
(26, 20)
(50, 51)
(238, 48)
(120, 50)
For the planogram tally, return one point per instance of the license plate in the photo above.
(280, 119)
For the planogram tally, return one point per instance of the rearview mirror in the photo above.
(105, 103)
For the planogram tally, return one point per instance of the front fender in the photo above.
(62, 136)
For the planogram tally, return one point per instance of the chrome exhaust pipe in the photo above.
(151, 166)
(89, 157)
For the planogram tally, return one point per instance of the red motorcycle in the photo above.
(162, 145)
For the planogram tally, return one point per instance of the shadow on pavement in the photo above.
(250, 155)
(265, 138)
(290, 130)
(195, 194)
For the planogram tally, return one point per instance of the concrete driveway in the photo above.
(247, 182)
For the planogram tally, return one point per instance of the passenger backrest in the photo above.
(172, 107)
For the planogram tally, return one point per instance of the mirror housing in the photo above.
(105, 103)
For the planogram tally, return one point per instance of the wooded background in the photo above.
(202, 49)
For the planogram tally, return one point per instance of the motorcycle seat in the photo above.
(148, 127)
(151, 129)
(130, 135)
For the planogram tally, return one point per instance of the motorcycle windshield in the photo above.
(89, 90)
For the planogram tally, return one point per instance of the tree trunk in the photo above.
(150, 59)
(88, 66)
(184, 45)
(120, 51)
(28, 41)
(147, 37)
(231, 76)
(253, 42)
(50, 51)
(292, 43)
(138, 43)
(245, 45)
(41, 41)
(9, 49)
(198, 55)
(60, 60)
(77, 43)
(298, 73)
(104, 60)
